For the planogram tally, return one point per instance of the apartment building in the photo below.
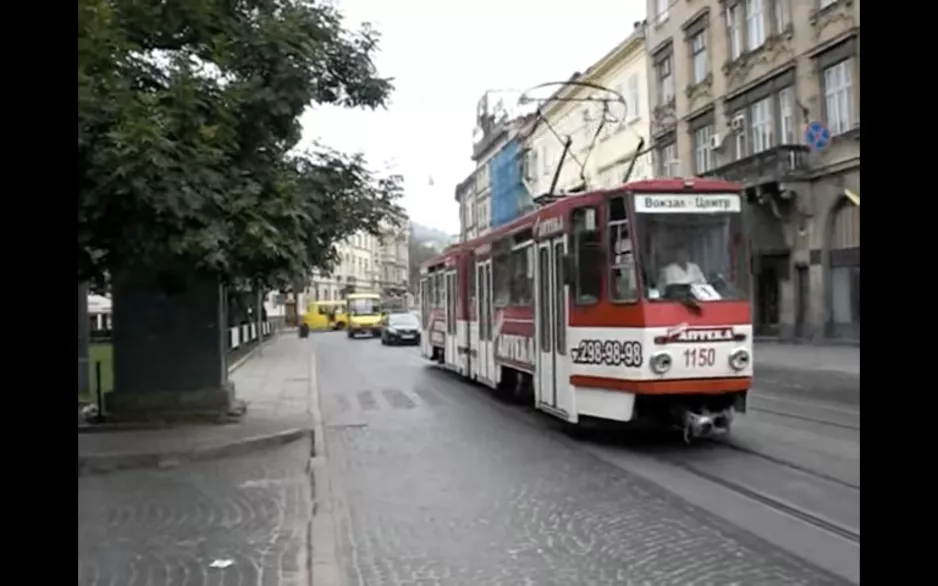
(596, 160)
(394, 260)
(358, 266)
(735, 85)
(497, 173)
(464, 190)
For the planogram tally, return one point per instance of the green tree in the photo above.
(188, 119)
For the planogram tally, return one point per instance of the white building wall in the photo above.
(625, 71)
(358, 263)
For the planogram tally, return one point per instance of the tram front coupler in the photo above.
(703, 424)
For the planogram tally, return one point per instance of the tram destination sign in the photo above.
(660, 203)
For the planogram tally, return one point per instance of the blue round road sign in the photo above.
(817, 136)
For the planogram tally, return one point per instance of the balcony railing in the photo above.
(780, 163)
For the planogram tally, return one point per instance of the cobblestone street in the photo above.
(433, 485)
(154, 527)
(432, 481)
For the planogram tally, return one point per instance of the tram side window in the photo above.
(451, 303)
(471, 283)
(623, 284)
(543, 300)
(588, 248)
(424, 301)
(501, 273)
(520, 281)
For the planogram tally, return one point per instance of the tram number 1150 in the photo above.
(699, 357)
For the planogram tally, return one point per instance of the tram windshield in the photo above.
(691, 246)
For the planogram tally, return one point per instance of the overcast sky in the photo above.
(444, 56)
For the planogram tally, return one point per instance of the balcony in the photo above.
(781, 163)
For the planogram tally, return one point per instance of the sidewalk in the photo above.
(819, 373)
(834, 359)
(275, 385)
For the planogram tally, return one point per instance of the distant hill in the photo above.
(420, 233)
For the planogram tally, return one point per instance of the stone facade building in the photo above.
(735, 86)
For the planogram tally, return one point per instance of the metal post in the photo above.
(260, 321)
(84, 339)
(100, 388)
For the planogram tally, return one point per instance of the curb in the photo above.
(240, 361)
(103, 464)
(322, 558)
(819, 343)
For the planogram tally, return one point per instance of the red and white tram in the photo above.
(628, 305)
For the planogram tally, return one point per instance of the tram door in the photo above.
(553, 391)
(450, 355)
(485, 360)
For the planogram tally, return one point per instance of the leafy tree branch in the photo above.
(188, 116)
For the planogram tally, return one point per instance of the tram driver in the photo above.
(682, 271)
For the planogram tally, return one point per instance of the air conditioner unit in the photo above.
(716, 141)
(738, 123)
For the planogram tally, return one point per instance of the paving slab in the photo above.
(274, 384)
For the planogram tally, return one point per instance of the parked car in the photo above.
(400, 328)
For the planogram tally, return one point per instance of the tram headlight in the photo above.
(739, 359)
(660, 362)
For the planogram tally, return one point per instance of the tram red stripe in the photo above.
(704, 386)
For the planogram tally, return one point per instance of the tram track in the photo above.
(819, 412)
(772, 502)
(688, 460)
(788, 414)
(785, 463)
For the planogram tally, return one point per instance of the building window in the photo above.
(760, 125)
(739, 145)
(661, 9)
(587, 126)
(782, 14)
(703, 154)
(665, 81)
(786, 114)
(735, 30)
(755, 24)
(530, 165)
(698, 51)
(838, 97)
(633, 100)
(668, 161)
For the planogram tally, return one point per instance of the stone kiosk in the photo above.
(170, 351)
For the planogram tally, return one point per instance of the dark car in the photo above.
(400, 328)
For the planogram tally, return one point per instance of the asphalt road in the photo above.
(437, 482)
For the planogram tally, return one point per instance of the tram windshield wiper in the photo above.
(689, 301)
(684, 295)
